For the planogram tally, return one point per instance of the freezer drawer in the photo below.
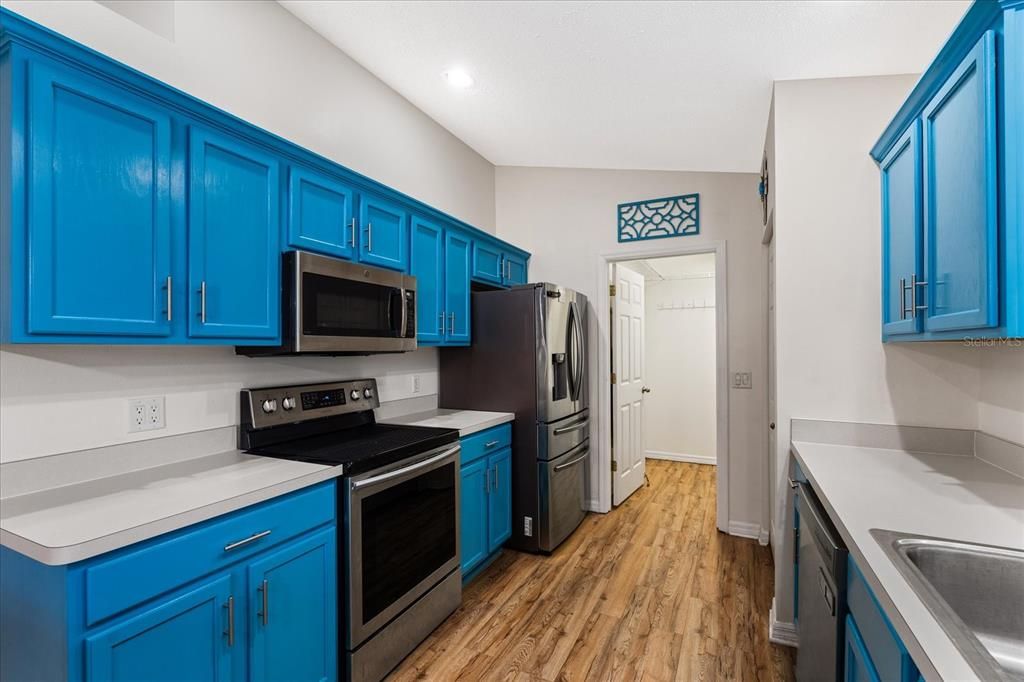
(562, 484)
(558, 438)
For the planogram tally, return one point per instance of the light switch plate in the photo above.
(742, 380)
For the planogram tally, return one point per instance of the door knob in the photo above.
(645, 390)
(772, 426)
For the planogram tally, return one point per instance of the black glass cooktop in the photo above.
(361, 448)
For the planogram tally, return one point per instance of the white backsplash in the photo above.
(56, 399)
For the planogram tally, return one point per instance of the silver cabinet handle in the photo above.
(246, 541)
(352, 233)
(451, 323)
(373, 480)
(167, 286)
(914, 284)
(264, 590)
(440, 328)
(369, 237)
(230, 632)
(202, 302)
(491, 443)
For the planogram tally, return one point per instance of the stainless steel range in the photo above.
(398, 502)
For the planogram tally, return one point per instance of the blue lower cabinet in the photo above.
(384, 238)
(233, 233)
(857, 666)
(474, 492)
(879, 653)
(251, 595)
(499, 500)
(486, 497)
(186, 637)
(293, 613)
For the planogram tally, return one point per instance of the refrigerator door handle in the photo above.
(570, 349)
(578, 350)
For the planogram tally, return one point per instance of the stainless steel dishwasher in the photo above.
(821, 593)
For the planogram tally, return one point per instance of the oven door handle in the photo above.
(374, 480)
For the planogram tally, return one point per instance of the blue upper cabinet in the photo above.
(514, 270)
(321, 215)
(952, 165)
(487, 262)
(901, 233)
(99, 210)
(187, 637)
(132, 213)
(294, 621)
(384, 225)
(234, 261)
(961, 195)
(457, 256)
(426, 265)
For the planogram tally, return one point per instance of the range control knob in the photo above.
(288, 403)
(355, 394)
(367, 393)
(270, 405)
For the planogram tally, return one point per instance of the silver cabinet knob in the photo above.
(288, 403)
(355, 395)
(270, 405)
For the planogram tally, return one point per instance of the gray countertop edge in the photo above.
(477, 420)
(917, 652)
(62, 556)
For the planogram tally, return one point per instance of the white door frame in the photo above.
(603, 460)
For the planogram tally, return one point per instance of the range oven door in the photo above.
(401, 535)
(337, 306)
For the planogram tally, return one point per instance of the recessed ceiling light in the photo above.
(458, 78)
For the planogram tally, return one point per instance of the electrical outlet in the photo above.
(146, 414)
(528, 526)
(416, 387)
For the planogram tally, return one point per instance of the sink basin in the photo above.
(976, 592)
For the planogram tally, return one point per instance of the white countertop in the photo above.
(70, 523)
(466, 421)
(949, 496)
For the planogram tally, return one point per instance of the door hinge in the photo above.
(615, 465)
(611, 290)
(613, 377)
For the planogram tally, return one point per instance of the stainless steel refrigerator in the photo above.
(529, 356)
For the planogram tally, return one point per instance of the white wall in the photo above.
(679, 355)
(830, 359)
(567, 219)
(259, 62)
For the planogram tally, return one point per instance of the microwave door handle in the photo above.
(405, 313)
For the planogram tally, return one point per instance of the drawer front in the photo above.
(486, 442)
(130, 577)
(890, 658)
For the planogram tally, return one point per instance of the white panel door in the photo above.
(628, 389)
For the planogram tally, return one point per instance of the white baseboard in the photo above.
(680, 457)
(781, 633)
(745, 529)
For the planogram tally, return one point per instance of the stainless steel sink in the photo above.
(976, 592)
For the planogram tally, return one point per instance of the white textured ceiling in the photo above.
(649, 85)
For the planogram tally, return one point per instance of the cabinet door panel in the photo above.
(384, 228)
(177, 640)
(457, 253)
(515, 270)
(487, 262)
(320, 214)
(473, 507)
(99, 225)
(961, 221)
(233, 240)
(499, 502)
(293, 612)
(901, 233)
(426, 266)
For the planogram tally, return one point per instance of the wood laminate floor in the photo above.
(649, 591)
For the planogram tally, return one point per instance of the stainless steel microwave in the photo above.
(335, 307)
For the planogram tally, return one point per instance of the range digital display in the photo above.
(315, 400)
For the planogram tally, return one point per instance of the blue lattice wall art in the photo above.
(658, 218)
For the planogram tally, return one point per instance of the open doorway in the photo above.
(663, 359)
